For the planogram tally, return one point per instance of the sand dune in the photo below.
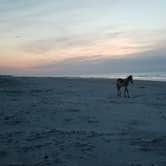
(81, 122)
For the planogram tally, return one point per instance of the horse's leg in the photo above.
(125, 92)
(118, 90)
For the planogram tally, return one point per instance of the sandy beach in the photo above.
(81, 122)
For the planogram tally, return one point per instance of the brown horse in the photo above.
(123, 83)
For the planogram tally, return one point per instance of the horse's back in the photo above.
(119, 80)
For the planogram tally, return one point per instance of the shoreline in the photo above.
(80, 77)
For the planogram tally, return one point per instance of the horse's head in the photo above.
(130, 78)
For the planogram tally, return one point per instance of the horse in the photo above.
(123, 83)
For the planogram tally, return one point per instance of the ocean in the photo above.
(151, 76)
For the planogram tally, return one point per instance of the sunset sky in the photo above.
(64, 37)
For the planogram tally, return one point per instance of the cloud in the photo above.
(115, 37)
(108, 51)
(68, 44)
(153, 60)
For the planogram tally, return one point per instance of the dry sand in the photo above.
(81, 122)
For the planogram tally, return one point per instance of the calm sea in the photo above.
(152, 76)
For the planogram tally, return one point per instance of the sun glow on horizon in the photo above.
(116, 48)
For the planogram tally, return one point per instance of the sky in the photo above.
(67, 37)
